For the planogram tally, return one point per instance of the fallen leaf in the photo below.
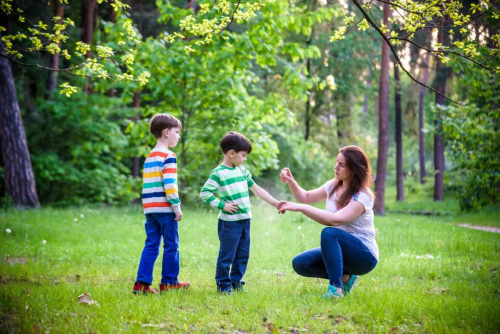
(27, 308)
(393, 329)
(271, 327)
(84, 298)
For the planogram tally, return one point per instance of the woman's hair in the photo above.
(358, 163)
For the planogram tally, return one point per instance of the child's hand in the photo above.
(279, 204)
(286, 175)
(289, 206)
(231, 207)
(178, 216)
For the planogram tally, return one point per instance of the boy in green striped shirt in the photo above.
(231, 181)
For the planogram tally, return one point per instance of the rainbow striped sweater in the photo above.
(159, 188)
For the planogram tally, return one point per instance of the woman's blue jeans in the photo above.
(340, 253)
(234, 252)
(158, 226)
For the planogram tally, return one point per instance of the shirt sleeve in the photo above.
(169, 172)
(364, 198)
(328, 187)
(209, 189)
(248, 178)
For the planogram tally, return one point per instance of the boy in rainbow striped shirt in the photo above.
(162, 207)
(231, 181)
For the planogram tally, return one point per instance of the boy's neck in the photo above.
(161, 143)
(227, 162)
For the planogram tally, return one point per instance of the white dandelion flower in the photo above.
(8, 230)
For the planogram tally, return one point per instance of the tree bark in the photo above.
(400, 195)
(438, 140)
(54, 62)
(421, 96)
(88, 16)
(368, 85)
(379, 207)
(18, 173)
(135, 160)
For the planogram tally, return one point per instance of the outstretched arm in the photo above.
(301, 195)
(352, 211)
(265, 196)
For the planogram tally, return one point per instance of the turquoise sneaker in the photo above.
(349, 285)
(332, 293)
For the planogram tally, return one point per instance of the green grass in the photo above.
(457, 291)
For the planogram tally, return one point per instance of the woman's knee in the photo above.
(329, 232)
(298, 265)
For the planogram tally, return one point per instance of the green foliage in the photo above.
(473, 139)
(81, 150)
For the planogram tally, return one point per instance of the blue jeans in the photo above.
(234, 252)
(340, 253)
(160, 225)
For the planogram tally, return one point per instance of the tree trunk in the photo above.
(421, 96)
(54, 62)
(379, 206)
(400, 195)
(135, 160)
(88, 15)
(18, 173)
(438, 140)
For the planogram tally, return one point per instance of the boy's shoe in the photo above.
(349, 285)
(332, 293)
(143, 288)
(177, 286)
(225, 292)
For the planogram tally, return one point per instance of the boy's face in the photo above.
(237, 158)
(173, 136)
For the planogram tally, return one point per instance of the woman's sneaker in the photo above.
(332, 293)
(349, 285)
(177, 286)
(144, 289)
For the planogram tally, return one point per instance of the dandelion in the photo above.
(299, 228)
(82, 216)
(44, 242)
(8, 231)
(76, 219)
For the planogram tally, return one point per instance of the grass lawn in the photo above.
(433, 276)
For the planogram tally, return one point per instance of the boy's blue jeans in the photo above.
(158, 226)
(340, 253)
(234, 252)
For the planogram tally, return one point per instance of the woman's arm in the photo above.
(352, 211)
(301, 195)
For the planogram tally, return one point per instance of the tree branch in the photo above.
(232, 18)
(442, 51)
(386, 39)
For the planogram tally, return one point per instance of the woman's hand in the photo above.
(286, 175)
(290, 206)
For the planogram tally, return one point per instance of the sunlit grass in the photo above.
(457, 290)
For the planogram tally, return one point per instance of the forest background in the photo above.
(276, 76)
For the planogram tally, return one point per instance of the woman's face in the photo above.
(341, 171)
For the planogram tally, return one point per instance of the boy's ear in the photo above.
(166, 132)
(231, 152)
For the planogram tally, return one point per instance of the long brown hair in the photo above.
(358, 163)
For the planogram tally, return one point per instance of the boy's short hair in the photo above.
(235, 141)
(160, 122)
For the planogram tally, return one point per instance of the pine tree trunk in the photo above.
(400, 196)
(54, 62)
(18, 173)
(379, 207)
(135, 160)
(438, 140)
(421, 96)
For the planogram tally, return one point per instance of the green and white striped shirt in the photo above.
(231, 185)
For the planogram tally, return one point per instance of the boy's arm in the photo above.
(208, 190)
(170, 183)
(265, 196)
(207, 195)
